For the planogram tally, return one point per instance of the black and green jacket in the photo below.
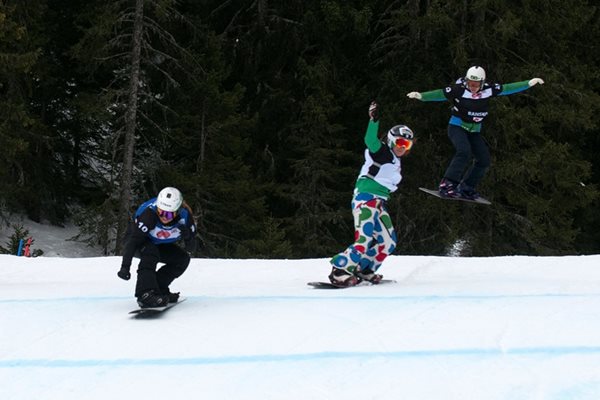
(470, 109)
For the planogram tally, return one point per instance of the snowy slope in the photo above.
(54, 241)
(451, 328)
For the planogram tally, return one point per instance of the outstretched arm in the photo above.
(516, 87)
(433, 95)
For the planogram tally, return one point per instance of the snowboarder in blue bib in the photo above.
(374, 234)
(152, 235)
(470, 98)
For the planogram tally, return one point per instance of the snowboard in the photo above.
(152, 312)
(436, 193)
(329, 285)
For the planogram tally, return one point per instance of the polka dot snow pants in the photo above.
(374, 236)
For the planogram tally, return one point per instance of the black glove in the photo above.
(373, 112)
(124, 273)
(190, 246)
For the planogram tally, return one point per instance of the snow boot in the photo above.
(150, 299)
(467, 192)
(448, 189)
(173, 297)
(369, 276)
(341, 277)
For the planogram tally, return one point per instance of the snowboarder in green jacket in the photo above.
(374, 234)
(470, 97)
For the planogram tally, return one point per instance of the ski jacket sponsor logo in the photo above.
(477, 116)
(162, 234)
(165, 234)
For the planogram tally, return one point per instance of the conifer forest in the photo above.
(257, 110)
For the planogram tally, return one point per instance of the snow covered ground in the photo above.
(450, 328)
(52, 240)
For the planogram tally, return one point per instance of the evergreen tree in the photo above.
(22, 135)
(130, 45)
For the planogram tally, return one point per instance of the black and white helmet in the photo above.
(397, 132)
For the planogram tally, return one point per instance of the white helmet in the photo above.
(399, 131)
(169, 199)
(476, 74)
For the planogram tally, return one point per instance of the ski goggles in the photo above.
(402, 142)
(166, 215)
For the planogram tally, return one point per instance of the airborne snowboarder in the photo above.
(470, 98)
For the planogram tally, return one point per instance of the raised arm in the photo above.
(371, 140)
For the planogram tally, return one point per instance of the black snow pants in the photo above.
(176, 261)
(468, 146)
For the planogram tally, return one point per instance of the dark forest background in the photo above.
(256, 111)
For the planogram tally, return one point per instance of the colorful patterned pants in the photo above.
(374, 235)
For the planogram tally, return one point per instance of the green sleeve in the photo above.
(433, 95)
(515, 87)
(371, 139)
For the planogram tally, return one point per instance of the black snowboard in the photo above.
(328, 285)
(436, 193)
(153, 312)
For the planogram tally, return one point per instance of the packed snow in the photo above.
(449, 328)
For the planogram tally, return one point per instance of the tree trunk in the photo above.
(203, 137)
(130, 127)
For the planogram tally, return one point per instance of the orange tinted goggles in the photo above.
(402, 142)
